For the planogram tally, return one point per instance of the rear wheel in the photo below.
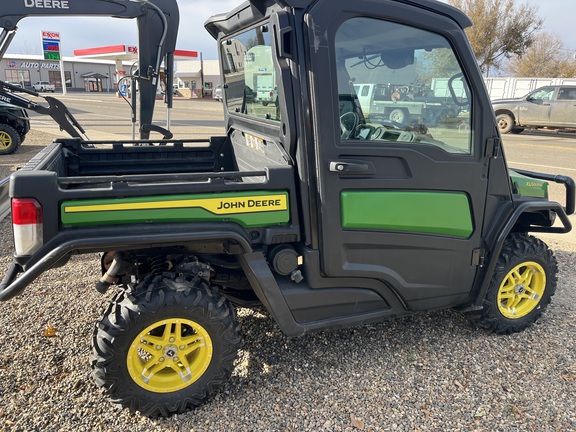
(166, 347)
(398, 116)
(505, 123)
(522, 285)
(9, 139)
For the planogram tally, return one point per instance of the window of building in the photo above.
(19, 75)
(55, 78)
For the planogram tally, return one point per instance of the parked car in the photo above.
(14, 125)
(217, 94)
(551, 107)
(15, 84)
(43, 86)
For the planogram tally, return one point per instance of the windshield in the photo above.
(249, 77)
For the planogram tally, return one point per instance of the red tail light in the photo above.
(27, 225)
(26, 211)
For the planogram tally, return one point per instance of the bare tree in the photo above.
(546, 57)
(501, 29)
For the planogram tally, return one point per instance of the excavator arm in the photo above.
(157, 22)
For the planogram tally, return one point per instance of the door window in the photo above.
(567, 94)
(249, 76)
(419, 95)
(544, 93)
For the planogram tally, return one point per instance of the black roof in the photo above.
(253, 10)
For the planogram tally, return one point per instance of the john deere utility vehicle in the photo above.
(325, 216)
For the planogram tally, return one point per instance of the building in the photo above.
(86, 75)
(197, 78)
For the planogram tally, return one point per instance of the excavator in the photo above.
(157, 22)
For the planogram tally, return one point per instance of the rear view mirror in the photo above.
(397, 59)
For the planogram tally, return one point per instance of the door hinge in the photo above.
(478, 257)
(492, 147)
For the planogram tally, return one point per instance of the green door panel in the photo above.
(444, 213)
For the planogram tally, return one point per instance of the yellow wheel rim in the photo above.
(5, 140)
(521, 290)
(169, 355)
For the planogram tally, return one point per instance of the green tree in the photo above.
(501, 29)
(546, 57)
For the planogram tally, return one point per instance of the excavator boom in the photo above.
(157, 22)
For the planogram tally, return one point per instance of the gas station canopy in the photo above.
(126, 53)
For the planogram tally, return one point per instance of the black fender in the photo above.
(90, 240)
(496, 248)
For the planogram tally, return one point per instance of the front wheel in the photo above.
(9, 139)
(166, 347)
(505, 123)
(522, 285)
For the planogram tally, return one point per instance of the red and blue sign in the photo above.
(51, 45)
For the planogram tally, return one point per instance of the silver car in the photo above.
(217, 94)
(551, 107)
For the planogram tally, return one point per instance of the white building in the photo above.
(193, 76)
(80, 74)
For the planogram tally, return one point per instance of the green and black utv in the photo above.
(325, 215)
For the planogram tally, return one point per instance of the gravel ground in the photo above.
(431, 372)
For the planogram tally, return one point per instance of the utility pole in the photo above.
(202, 75)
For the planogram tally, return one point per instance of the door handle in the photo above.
(349, 167)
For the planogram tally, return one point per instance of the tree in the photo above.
(546, 57)
(501, 29)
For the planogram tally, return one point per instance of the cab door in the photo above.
(563, 109)
(537, 108)
(399, 203)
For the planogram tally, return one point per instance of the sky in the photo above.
(83, 32)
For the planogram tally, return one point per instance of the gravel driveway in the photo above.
(431, 372)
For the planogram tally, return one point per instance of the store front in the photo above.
(79, 74)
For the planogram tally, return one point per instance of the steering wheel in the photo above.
(348, 123)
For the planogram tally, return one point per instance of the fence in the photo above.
(504, 88)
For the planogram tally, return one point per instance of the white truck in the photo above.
(405, 104)
(43, 86)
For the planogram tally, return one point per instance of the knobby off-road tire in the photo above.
(9, 139)
(165, 347)
(522, 285)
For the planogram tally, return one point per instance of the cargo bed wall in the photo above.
(70, 174)
(104, 158)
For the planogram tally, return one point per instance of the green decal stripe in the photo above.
(249, 209)
(528, 186)
(446, 213)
